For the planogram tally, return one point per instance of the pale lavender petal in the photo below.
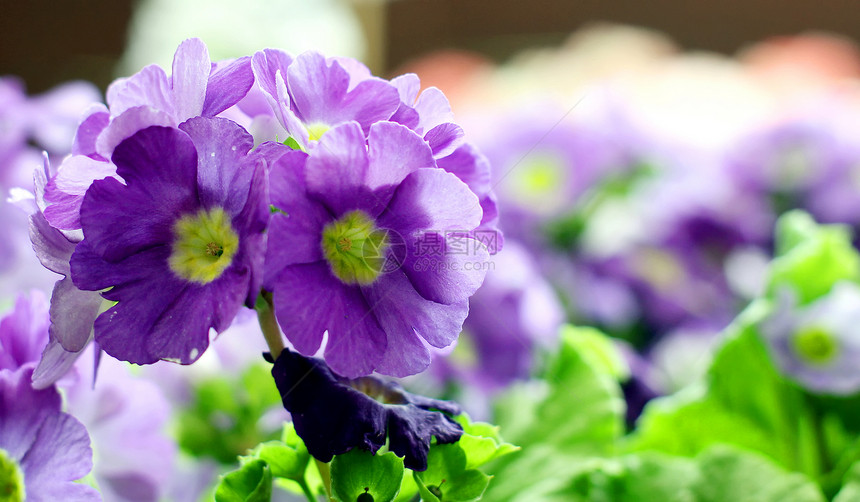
(283, 110)
(357, 70)
(393, 152)
(407, 86)
(148, 87)
(96, 118)
(54, 364)
(191, 67)
(405, 315)
(23, 410)
(266, 64)
(77, 173)
(52, 247)
(223, 166)
(24, 331)
(449, 274)
(336, 171)
(444, 138)
(228, 84)
(434, 109)
(127, 124)
(468, 164)
(432, 199)
(61, 452)
(355, 340)
(73, 312)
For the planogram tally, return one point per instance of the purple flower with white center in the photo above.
(346, 213)
(43, 451)
(188, 224)
(312, 94)
(197, 88)
(333, 415)
(817, 345)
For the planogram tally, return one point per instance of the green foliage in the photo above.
(252, 482)
(359, 473)
(447, 477)
(811, 258)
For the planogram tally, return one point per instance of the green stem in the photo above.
(307, 489)
(325, 474)
(269, 325)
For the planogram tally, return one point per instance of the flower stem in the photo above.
(325, 474)
(266, 316)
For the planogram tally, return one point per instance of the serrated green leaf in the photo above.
(481, 442)
(285, 462)
(252, 482)
(358, 472)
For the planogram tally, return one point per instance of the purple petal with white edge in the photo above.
(294, 237)
(471, 166)
(407, 86)
(131, 121)
(434, 109)
(73, 312)
(336, 171)
(191, 67)
(405, 315)
(452, 272)
(148, 87)
(266, 64)
(444, 138)
(393, 153)
(54, 364)
(431, 199)
(309, 300)
(320, 92)
(52, 247)
(96, 118)
(224, 167)
(228, 83)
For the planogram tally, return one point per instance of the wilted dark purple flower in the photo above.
(333, 415)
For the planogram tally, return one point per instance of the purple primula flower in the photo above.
(24, 331)
(188, 223)
(43, 451)
(149, 97)
(333, 415)
(368, 245)
(312, 94)
(817, 345)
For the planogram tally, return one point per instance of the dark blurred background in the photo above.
(47, 42)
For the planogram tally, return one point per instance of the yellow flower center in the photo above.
(203, 246)
(316, 130)
(11, 479)
(354, 248)
(815, 345)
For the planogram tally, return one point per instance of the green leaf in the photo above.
(719, 474)
(481, 442)
(359, 472)
(581, 407)
(447, 477)
(250, 483)
(850, 491)
(292, 143)
(813, 257)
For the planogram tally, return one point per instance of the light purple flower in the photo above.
(188, 224)
(817, 345)
(43, 451)
(196, 88)
(24, 331)
(348, 212)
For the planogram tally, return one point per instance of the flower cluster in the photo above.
(302, 178)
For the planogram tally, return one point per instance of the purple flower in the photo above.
(368, 245)
(24, 331)
(818, 345)
(149, 97)
(333, 415)
(312, 94)
(43, 451)
(188, 224)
